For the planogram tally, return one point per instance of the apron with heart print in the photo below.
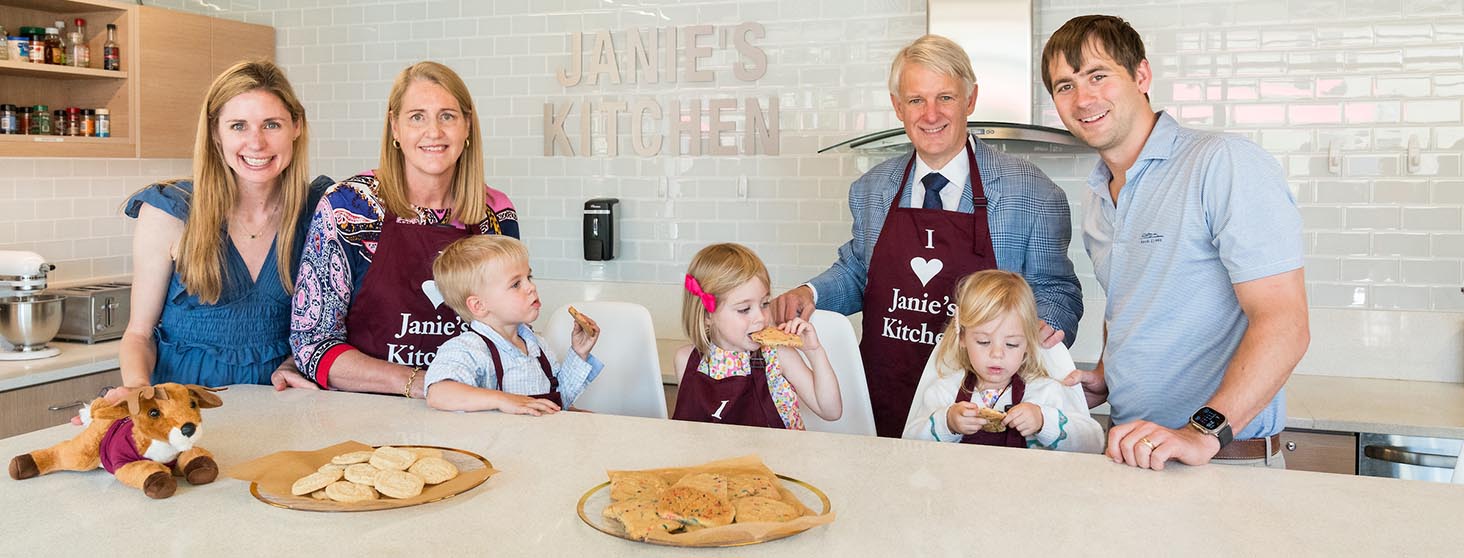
(910, 294)
(397, 314)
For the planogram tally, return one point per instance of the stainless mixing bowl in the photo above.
(29, 322)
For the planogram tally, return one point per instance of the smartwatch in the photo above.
(1212, 422)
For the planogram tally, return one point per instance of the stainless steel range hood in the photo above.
(998, 36)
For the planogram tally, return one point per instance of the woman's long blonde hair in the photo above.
(717, 269)
(201, 251)
(982, 297)
(468, 196)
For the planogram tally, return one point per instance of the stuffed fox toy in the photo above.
(144, 440)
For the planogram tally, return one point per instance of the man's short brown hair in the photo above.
(1112, 33)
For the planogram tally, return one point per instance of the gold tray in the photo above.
(464, 460)
(597, 498)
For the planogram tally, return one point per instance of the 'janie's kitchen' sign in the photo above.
(652, 58)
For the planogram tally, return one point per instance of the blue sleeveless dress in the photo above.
(243, 337)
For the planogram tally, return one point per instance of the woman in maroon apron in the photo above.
(368, 316)
(949, 243)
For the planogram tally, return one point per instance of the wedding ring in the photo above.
(1146, 442)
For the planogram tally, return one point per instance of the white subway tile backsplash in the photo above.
(1433, 218)
(1409, 245)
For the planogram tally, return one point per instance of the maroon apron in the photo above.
(743, 400)
(1009, 438)
(553, 394)
(391, 318)
(920, 255)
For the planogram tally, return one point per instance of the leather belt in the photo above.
(1254, 448)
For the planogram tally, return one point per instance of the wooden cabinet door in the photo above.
(1322, 452)
(179, 56)
(46, 405)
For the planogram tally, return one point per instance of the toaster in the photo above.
(93, 313)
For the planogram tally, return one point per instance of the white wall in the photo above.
(1385, 243)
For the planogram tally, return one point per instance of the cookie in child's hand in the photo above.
(774, 337)
(993, 420)
(585, 322)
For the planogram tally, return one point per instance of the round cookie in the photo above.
(349, 492)
(319, 495)
(363, 473)
(353, 457)
(434, 470)
(331, 468)
(756, 508)
(694, 506)
(711, 483)
(393, 459)
(426, 452)
(313, 481)
(398, 484)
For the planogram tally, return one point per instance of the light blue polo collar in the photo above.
(1159, 146)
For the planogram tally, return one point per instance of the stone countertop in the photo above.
(891, 497)
(76, 359)
(1313, 402)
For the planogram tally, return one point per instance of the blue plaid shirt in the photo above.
(1031, 227)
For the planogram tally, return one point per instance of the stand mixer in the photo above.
(28, 319)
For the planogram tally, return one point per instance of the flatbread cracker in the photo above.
(757, 508)
(993, 420)
(629, 485)
(774, 337)
(585, 322)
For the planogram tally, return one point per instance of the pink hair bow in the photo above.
(708, 301)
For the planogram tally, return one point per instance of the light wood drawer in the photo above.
(1323, 452)
(29, 408)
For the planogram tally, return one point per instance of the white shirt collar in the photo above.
(957, 170)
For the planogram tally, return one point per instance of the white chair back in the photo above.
(837, 337)
(630, 383)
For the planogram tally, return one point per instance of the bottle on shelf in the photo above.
(55, 52)
(111, 55)
(80, 54)
(65, 58)
(4, 44)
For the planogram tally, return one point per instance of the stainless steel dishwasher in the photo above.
(1407, 457)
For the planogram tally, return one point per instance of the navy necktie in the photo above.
(933, 183)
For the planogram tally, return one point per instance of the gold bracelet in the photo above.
(407, 391)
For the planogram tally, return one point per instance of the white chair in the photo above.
(837, 337)
(630, 383)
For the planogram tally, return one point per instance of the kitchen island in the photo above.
(892, 497)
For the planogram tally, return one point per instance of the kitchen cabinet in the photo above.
(1322, 452)
(40, 406)
(180, 55)
(168, 60)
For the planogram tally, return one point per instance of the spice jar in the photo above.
(37, 48)
(9, 120)
(73, 122)
(58, 123)
(40, 120)
(104, 123)
(24, 120)
(55, 51)
(88, 123)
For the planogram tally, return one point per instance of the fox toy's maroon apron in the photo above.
(1010, 437)
(553, 394)
(392, 318)
(919, 256)
(743, 400)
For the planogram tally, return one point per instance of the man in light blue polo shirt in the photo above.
(1196, 241)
